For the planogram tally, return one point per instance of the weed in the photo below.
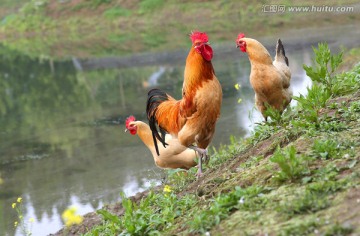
(153, 214)
(96, 3)
(325, 66)
(246, 199)
(299, 228)
(291, 166)
(253, 161)
(350, 112)
(225, 152)
(305, 203)
(310, 106)
(150, 5)
(325, 149)
(347, 82)
(332, 126)
(262, 132)
(327, 173)
(274, 114)
(115, 12)
(331, 148)
(339, 230)
(326, 187)
(18, 207)
(179, 179)
(33, 7)
(326, 85)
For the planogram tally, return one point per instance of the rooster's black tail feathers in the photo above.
(155, 98)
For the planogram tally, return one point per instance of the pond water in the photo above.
(62, 125)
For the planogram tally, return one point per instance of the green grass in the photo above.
(116, 12)
(292, 166)
(284, 191)
(299, 228)
(304, 203)
(325, 149)
(222, 206)
(155, 213)
(150, 5)
(95, 20)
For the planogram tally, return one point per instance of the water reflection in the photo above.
(61, 143)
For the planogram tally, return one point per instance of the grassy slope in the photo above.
(296, 176)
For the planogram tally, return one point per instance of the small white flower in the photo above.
(346, 156)
(207, 234)
(241, 201)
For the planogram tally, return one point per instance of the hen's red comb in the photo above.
(197, 35)
(240, 36)
(128, 120)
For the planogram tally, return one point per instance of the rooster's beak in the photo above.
(197, 46)
(126, 130)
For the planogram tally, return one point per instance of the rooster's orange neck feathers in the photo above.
(197, 71)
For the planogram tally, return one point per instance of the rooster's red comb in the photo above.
(240, 36)
(199, 36)
(128, 120)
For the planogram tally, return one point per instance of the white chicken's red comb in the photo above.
(240, 36)
(128, 120)
(199, 36)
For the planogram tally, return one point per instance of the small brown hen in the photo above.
(269, 79)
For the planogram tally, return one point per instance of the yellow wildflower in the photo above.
(31, 220)
(237, 86)
(167, 189)
(13, 205)
(19, 199)
(16, 223)
(70, 218)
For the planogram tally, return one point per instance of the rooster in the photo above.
(269, 79)
(174, 156)
(192, 119)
